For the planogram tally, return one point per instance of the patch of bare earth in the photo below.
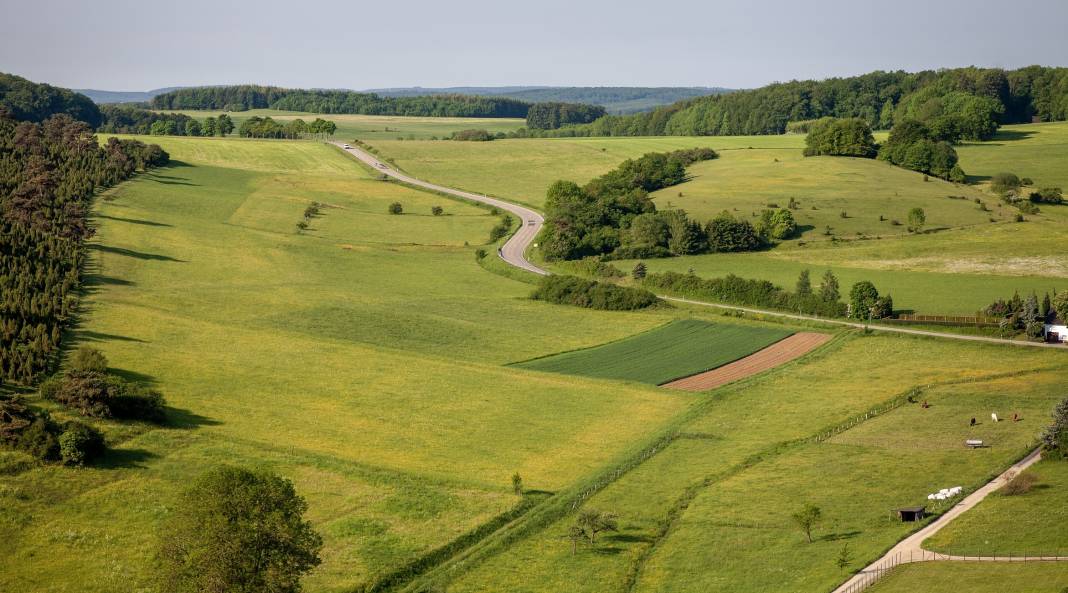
(778, 353)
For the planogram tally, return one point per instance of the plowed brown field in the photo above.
(778, 353)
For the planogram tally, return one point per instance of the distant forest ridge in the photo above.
(982, 98)
(615, 100)
(244, 97)
(101, 97)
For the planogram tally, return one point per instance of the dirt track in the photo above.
(782, 351)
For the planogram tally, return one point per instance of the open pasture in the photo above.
(710, 511)
(678, 349)
(361, 359)
(1030, 523)
(976, 577)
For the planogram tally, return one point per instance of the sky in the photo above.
(138, 45)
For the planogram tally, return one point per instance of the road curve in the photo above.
(911, 549)
(513, 251)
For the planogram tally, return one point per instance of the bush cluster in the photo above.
(36, 434)
(840, 137)
(578, 292)
(90, 390)
(914, 146)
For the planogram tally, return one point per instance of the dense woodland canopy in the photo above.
(615, 99)
(976, 99)
(240, 98)
(29, 101)
(550, 116)
(49, 172)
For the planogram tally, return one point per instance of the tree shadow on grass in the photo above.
(132, 220)
(91, 336)
(135, 254)
(630, 538)
(187, 419)
(833, 537)
(94, 280)
(607, 551)
(124, 459)
(133, 376)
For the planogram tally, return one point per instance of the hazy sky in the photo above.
(139, 45)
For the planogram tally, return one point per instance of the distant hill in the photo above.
(101, 97)
(615, 99)
(26, 100)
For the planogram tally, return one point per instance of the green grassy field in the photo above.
(710, 512)
(679, 349)
(361, 359)
(976, 577)
(1031, 523)
(961, 264)
(377, 127)
(1038, 151)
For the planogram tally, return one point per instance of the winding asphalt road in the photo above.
(513, 251)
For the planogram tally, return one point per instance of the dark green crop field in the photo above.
(678, 349)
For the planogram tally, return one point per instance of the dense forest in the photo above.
(25, 100)
(550, 116)
(241, 98)
(49, 172)
(982, 99)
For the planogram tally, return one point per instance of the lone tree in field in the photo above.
(807, 519)
(639, 271)
(592, 522)
(437, 210)
(829, 288)
(804, 284)
(237, 531)
(917, 218)
(517, 484)
(396, 208)
(1055, 437)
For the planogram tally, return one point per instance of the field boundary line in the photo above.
(682, 503)
(864, 326)
(617, 340)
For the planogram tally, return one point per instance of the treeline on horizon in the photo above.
(245, 97)
(987, 97)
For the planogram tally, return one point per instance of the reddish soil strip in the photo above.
(778, 353)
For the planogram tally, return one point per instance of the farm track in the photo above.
(774, 355)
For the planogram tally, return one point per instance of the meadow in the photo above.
(710, 511)
(1031, 523)
(966, 258)
(678, 349)
(361, 358)
(376, 127)
(975, 577)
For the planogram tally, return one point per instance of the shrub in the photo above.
(437, 210)
(396, 208)
(1055, 437)
(100, 395)
(15, 417)
(39, 439)
(578, 292)
(472, 136)
(1003, 183)
(500, 230)
(89, 360)
(1047, 195)
(480, 254)
(80, 443)
(1021, 483)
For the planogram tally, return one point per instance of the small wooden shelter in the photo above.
(910, 514)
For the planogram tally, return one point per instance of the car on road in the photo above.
(347, 146)
(530, 222)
